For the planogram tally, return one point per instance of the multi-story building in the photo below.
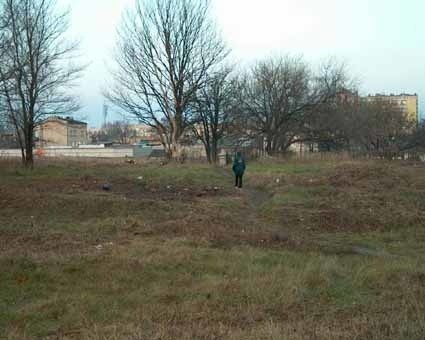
(58, 131)
(408, 103)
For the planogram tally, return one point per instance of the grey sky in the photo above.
(382, 41)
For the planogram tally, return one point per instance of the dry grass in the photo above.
(331, 250)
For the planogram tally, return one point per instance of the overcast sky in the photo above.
(383, 41)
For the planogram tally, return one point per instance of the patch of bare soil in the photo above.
(22, 195)
(19, 201)
(39, 245)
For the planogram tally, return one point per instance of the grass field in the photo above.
(308, 250)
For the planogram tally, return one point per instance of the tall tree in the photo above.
(212, 111)
(279, 95)
(351, 123)
(36, 72)
(165, 50)
(379, 128)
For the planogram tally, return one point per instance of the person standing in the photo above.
(238, 169)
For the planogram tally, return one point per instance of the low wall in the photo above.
(76, 153)
(10, 153)
(88, 153)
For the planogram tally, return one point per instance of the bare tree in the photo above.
(331, 122)
(279, 95)
(119, 131)
(165, 50)
(351, 123)
(212, 111)
(36, 72)
(379, 128)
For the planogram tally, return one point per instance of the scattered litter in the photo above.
(216, 188)
(277, 180)
(131, 161)
(107, 187)
(101, 246)
(140, 178)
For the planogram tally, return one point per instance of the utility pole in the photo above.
(105, 114)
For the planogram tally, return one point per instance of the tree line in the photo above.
(172, 72)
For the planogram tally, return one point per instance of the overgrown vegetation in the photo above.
(309, 250)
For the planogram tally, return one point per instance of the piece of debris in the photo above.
(169, 187)
(277, 180)
(106, 187)
(131, 161)
(99, 247)
(280, 237)
(216, 188)
(140, 178)
(201, 193)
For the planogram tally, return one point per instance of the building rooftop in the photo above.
(393, 95)
(67, 120)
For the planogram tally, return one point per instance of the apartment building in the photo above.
(58, 131)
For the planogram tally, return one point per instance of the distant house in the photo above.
(144, 134)
(58, 131)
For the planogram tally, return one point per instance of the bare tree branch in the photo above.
(36, 73)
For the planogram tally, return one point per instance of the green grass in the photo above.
(170, 257)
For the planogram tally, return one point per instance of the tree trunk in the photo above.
(175, 150)
(176, 133)
(269, 146)
(214, 155)
(208, 152)
(29, 158)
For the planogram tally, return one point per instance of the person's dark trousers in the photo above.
(238, 182)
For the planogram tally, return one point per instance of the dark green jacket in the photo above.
(238, 165)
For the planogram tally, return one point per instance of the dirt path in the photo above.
(256, 197)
